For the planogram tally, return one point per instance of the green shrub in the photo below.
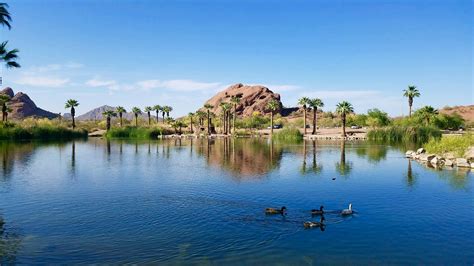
(11, 131)
(410, 134)
(288, 134)
(135, 133)
(457, 145)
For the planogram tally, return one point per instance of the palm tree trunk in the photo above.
(315, 110)
(136, 120)
(163, 114)
(208, 123)
(73, 122)
(6, 117)
(192, 131)
(108, 123)
(149, 118)
(410, 104)
(343, 125)
(304, 120)
(233, 118)
(157, 115)
(271, 124)
(121, 120)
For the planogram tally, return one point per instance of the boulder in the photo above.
(7, 91)
(253, 98)
(469, 155)
(448, 162)
(472, 165)
(462, 162)
(420, 151)
(409, 154)
(427, 157)
(435, 161)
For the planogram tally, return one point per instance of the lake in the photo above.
(203, 202)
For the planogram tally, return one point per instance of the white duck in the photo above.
(347, 211)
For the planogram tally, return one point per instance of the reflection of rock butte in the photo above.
(245, 158)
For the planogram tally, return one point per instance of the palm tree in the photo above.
(9, 110)
(343, 109)
(191, 121)
(120, 110)
(273, 105)
(108, 114)
(426, 113)
(208, 108)
(3, 101)
(157, 109)
(225, 110)
(5, 17)
(136, 111)
(201, 115)
(71, 103)
(148, 109)
(315, 103)
(235, 100)
(304, 101)
(167, 109)
(411, 93)
(8, 57)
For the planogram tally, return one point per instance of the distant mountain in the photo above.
(96, 114)
(22, 106)
(466, 112)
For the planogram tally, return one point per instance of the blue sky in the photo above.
(179, 53)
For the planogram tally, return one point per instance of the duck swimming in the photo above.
(281, 211)
(317, 212)
(347, 211)
(314, 224)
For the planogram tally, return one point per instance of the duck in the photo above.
(347, 211)
(317, 212)
(310, 224)
(281, 211)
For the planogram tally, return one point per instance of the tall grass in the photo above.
(289, 134)
(39, 131)
(135, 133)
(399, 134)
(457, 145)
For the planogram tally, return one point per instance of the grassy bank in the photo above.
(135, 133)
(457, 145)
(288, 134)
(11, 131)
(412, 134)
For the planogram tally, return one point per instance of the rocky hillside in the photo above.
(22, 106)
(96, 114)
(466, 112)
(252, 99)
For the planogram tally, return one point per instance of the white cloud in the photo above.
(100, 83)
(178, 85)
(53, 67)
(42, 81)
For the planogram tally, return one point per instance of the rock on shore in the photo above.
(439, 161)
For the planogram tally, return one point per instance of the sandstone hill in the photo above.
(252, 99)
(22, 106)
(466, 112)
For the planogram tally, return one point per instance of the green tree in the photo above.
(344, 108)
(315, 103)
(273, 106)
(108, 116)
(4, 99)
(72, 104)
(136, 111)
(167, 109)
(201, 115)
(235, 100)
(157, 108)
(411, 93)
(426, 113)
(304, 101)
(208, 107)
(148, 110)
(377, 118)
(191, 115)
(120, 110)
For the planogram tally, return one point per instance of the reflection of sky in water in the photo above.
(181, 201)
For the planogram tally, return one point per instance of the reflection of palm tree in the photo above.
(10, 243)
(342, 167)
(411, 178)
(315, 167)
(303, 167)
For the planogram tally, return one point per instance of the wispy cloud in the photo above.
(96, 82)
(178, 85)
(42, 81)
(53, 67)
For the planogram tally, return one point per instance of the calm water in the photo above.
(202, 202)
